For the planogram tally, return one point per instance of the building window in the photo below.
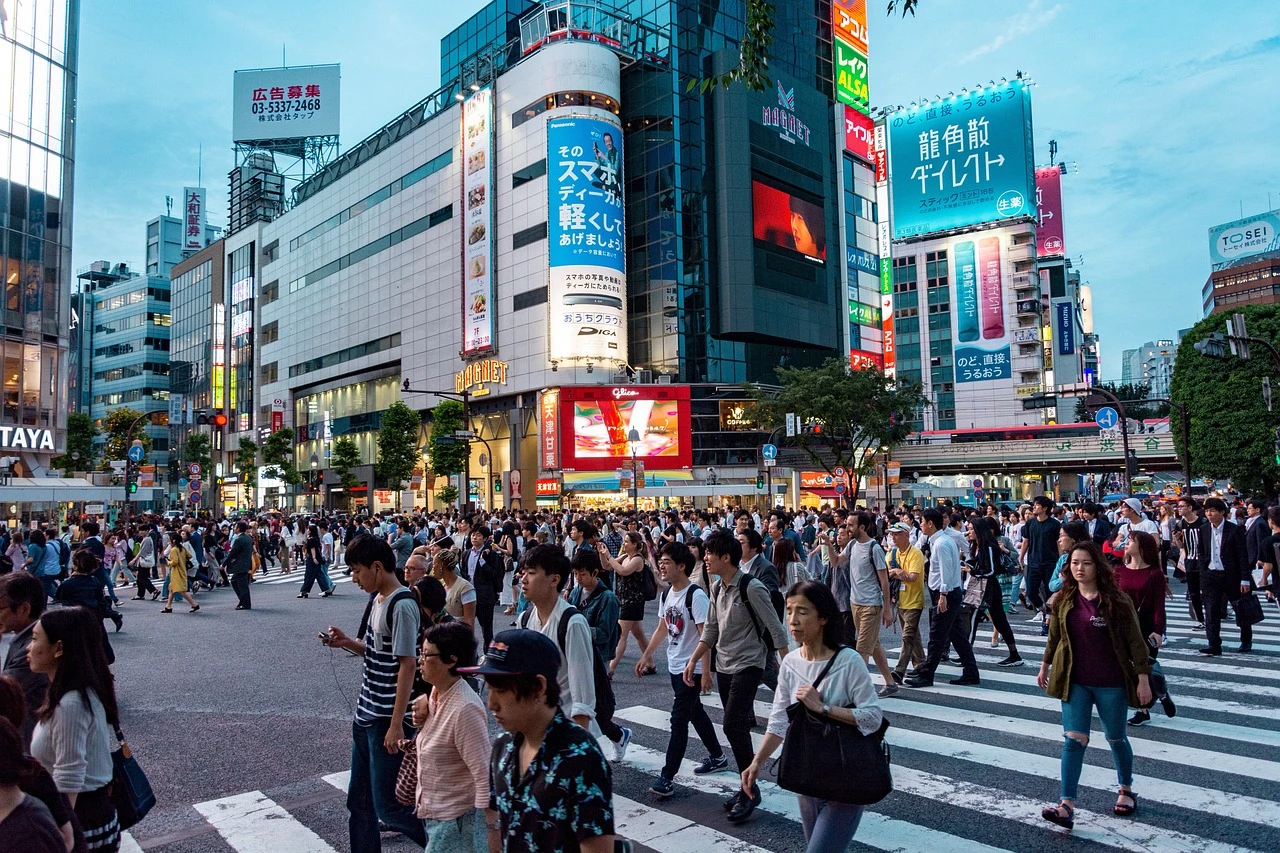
(343, 356)
(529, 236)
(563, 99)
(444, 214)
(529, 173)
(271, 292)
(530, 298)
(271, 332)
(268, 372)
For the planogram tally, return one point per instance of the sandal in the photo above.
(1123, 810)
(1055, 815)
(166, 610)
(194, 609)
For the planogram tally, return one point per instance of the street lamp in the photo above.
(464, 397)
(315, 465)
(633, 438)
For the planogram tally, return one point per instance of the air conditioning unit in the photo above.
(665, 379)
(644, 377)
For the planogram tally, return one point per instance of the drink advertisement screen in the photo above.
(477, 223)
(980, 325)
(783, 219)
(596, 422)
(586, 250)
(1050, 242)
(962, 161)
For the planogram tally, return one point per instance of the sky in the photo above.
(1165, 113)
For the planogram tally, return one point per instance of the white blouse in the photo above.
(847, 685)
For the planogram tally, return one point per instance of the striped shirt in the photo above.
(382, 653)
(453, 777)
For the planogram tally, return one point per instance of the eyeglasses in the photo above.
(426, 655)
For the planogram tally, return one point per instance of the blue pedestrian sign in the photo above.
(182, 482)
(1107, 417)
(769, 451)
(137, 453)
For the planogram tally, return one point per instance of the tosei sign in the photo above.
(1243, 238)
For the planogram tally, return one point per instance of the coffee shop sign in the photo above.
(25, 438)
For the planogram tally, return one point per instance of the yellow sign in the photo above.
(480, 373)
(1021, 391)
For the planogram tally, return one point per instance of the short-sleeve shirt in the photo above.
(911, 561)
(563, 798)
(866, 561)
(1042, 541)
(1093, 657)
(682, 631)
(382, 652)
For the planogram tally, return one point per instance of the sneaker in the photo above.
(1139, 718)
(1199, 627)
(620, 748)
(888, 690)
(1011, 660)
(663, 787)
(995, 644)
(1036, 618)
(711, 765)
(897, 677)
(1166, 702)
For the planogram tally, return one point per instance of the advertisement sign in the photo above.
(811, 480)
(1064, 326)
(857, 259)
(1244, 238)
(735, 416)
(782, 116)
(782, 219)
(1022, 391)
(477, 223)
(859, 135)
(849, 18)
(587, 293)
(285, 103)
(851, 75)
(193, 219)
(863, 314)
(962, 161)
(596, 422)
(864, 360)
(1029, 335)
(277, 414)
(979, 314)
(549, 430)
(548, 488)
(1050, 242)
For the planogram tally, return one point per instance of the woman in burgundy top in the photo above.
(1142, 579)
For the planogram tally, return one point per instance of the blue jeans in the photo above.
(1112, 704)
(50, 584)
(466, 834)
(828, 825)
(371, 793)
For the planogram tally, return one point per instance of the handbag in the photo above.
(407, 775)
(1248, 610)
(131, 792)
(974, 591)
(833, 760)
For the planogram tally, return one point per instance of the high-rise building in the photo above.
(1151, 363)
(166, 243)
(38, 50)
(1244, 257)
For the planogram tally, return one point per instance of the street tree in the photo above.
(120, 436)
(197, 449)
(1232, 433)
(852, 415)
(345, 457)
(247, 465)
(398, 446)
(448, 454)
(277, 457)
(1134, 396)
(81, 431)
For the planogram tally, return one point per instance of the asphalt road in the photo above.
(249, 709)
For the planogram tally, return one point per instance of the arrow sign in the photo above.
(137, 453)
(769, 451)
(1107, 418)
(182, 483)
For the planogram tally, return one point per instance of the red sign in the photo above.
(1049, 234)
(277, 421)
(859, 135)
(548, 488)
(860, 359)
(849, 18)
(597, 422)
(816, 480)
(549, 430)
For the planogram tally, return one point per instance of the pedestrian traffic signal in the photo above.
(133, 487)
(759, 482)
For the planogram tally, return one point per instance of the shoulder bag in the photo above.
(833, 760)
(1248, 609)
(131, 792)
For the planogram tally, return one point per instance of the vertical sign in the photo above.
(1050, 241)
(1065, 323)
(859, 135)
(277, 414)
(193, 219)
(850, 49)
(979, 319)
(586, 251)
(549, 437)
(477, 224)
(886, 248)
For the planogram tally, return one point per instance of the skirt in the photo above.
(97, 815)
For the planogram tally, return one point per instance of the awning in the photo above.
(608, 481)
(53, 489)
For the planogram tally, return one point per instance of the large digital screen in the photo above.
(596, 424)
(962, 161)
(783, 219)
(477, 219)
(980, 313)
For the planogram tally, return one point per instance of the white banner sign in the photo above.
(193, 218)
(285, 103)
(477, 223)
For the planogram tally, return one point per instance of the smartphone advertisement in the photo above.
(981, 313)
(601, 426)
(783, 219)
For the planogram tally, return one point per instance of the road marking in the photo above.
(128, 844)
(1197, 683)
(671, 833)
(341, 781)
(254, 823)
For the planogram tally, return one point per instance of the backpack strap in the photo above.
(743, 583)
(688, 598)
(398, 595)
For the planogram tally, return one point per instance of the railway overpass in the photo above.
(1065, 455)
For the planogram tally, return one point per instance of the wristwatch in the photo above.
(826, 709)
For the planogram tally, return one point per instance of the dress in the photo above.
(177, 569)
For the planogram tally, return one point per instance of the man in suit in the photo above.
(487, 570)
(1096, 521)
(1257, 532)
(22, 601)
(239, 563)
(1225, 576)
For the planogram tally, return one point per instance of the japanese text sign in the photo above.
(285, 103)
(193, 218)
(1049, 236)
(851, 76)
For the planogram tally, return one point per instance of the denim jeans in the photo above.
(828, 825)
(371, 793)
(50, 584)
(314, 573)
(105, 578)
(1112, 704)
(466, 834)
(687, 708)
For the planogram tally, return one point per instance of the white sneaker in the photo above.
(1037, 618)
(620, 748)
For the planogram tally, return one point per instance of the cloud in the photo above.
(1020, 25)
(1187, 67)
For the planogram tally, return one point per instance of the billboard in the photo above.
(477, 223)
(783, 219)
(852, 87)
(885, 247)
(586, 251)
(549, 430)
(979, 316)
(962, 161)
(849, 18)
(859, 135)
(1244, 238)
(1050, 242)
(1064, 326)
(193, 219)
(596, 422)
(285, 103)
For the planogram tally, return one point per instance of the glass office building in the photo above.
(38, 46)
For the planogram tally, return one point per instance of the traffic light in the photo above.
(759, 482)
(497, 485)
(811, 427)
(133, 487)
(218, 419)
(1214, 346)
(1277, 445)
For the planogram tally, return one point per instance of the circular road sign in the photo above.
(195, 485)
(194, 469)
(839, 487)
(182, 483)
(839, 472)
(1107, 417)
(195, 497)
(979, 495)
(137, 453)
(769, 451)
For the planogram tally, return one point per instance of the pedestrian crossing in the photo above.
(972, 767)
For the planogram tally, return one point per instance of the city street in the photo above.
(241, 720)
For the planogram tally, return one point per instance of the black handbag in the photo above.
(832, 760)
(131, 792)
(1248, 609)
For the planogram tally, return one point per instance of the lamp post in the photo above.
(315, 465)
(465, 398)
(633, 438)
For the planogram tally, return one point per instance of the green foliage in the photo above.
(81, 431)
(247, 465)
(345, 456)
(120, 437)
(449, 495)
(398, 444)
(197, 449)
(1130, 393)
(1232, 433)
(861, 411)
(448, 455)
(277, 457)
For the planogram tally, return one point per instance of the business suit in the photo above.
(239, 563)
(34, 685)
(1220, 586)
(487, 580)
(1103, 530)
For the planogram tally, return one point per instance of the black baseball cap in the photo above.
(519, 651)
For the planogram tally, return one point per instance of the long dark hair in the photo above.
(83, 665)
(784, 552)
(824, 602)
(1110, 598)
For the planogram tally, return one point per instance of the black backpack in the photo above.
(606, 704)
(764, 635)
(64, 560)
(420, 685)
